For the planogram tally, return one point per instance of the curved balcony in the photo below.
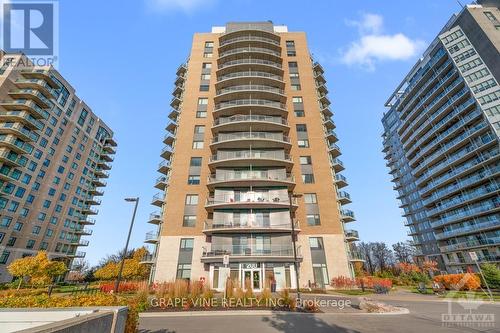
(256, 139)
(154, 218)
(18, 130)
(23, 104)
(38, 84)
(337, 165)
(23, 117)
(161, 183)
(238, 41)
(152, 237)
(11, 159)
(249, 34)
(250, 65)
(32, 94)
(263, 92)
(43, 74)
(210, 227)
(250, 200)
(351, 235)
(252, 253)
(347, 215)
(250, 105)
(251, 178)
(15, 144)
(254, 158)
(250, 76)
(257, 122)
(250, 50)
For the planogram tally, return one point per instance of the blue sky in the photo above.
(121, 57)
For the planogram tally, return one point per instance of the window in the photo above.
(208, 55)
(189, 221)
(305, 160)
(490, 16)
(5, 222)
(36, 230)
(194, 180)
(206, 65)
(187, 243)
(292, 64)
(201, 114)
(291, 53)
(202, 101)
(209, 44)
(308, 178)
(197, 144)
(18, 226)
(4, 257)
(183, 271)
(295, 87)
(30, 244)
(310, 198)
(301, 128)
(303, 143)
(195, 162)
(313, 219)
(205, 77)
(315, 243)
(191, 199)
(204, 87)
(199, 129)
(13, 206)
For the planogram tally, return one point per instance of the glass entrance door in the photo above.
(252, 279)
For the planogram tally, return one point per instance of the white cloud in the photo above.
(374, 46)
(183, 5)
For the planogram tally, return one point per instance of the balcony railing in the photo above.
(251, 87)
(250, 102)
(250, 197)
(468, 211)
(250, 74)
(251, 175)
(351, 234)
(249, 39)
(228, 155)
(151, 236)
(249, 224)
(250, 118)
(250, 62)
(485, 223)
(495, 241)
(249, 49)
(250, 135)
(251, 250)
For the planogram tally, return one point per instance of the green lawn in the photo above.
(354, 292)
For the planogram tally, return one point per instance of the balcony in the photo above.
(21, 116)
(176, 102)
(483, 242)
(256, 139)
(38, 84)
(80, 242)
(106, 157)
(100, 173)
(321, 88)
(42, 74)
(103, 165)
(255, 77)
(325, 110)
(86, 221)
(329, 124)
(343, 197)
(77, 254)
(337, 165)
(169, 139)
(155, 218)
(318, 68)
(161, 183)
(15, 144)
(158, 200)
(164, 167)
(182, 69)
(250, 64)
(252, 253)
(83, 232)
(256, 158)
(152, 237)
(334, 150)
(89, 210)
(340, 181)
(18, 130)
(251, 178)
(27, 105)
(351, 235)
(323, 99)
(98, 182)
(251, 51)
(109, 149)
(331, 136)
(166, 152)
(250, 200)
(211, 227)
(243, 122)
(174, 115)
(347, 215)
(355, 256)
(481, 225)
(256, 91)
(148, 259)
(239, 105)
(487, 206)
(93, 201)
(245, 40)
(111, 141)
(31, 94)
(95, 191)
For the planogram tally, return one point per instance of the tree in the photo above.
(430, 266)
(38, 269)
(491, 275)
(132, 268)
(403, 252)
(366, 252)
(382, 255)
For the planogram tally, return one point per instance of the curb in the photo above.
(258, 313)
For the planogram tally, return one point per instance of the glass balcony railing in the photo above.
(251, 250)
(224, 137)
(479, 224)
(251, 175)
(471, 243)
(351, 233)
(250, 118)
(249, 49)
(250, 61)
(465, 212)
(151, 236)
(251, 197)
(250, 102)
(249, 39)
(252, 222)
(250, 74)
(251, 87)
(250, 154)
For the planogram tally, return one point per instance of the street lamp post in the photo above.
(117, 283)
(291, 196)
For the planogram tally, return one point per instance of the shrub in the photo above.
(125, 287)
(342, 282)
(135, 304)
(492, 275)
(464, 281)
(287, 300)
(370, 282)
